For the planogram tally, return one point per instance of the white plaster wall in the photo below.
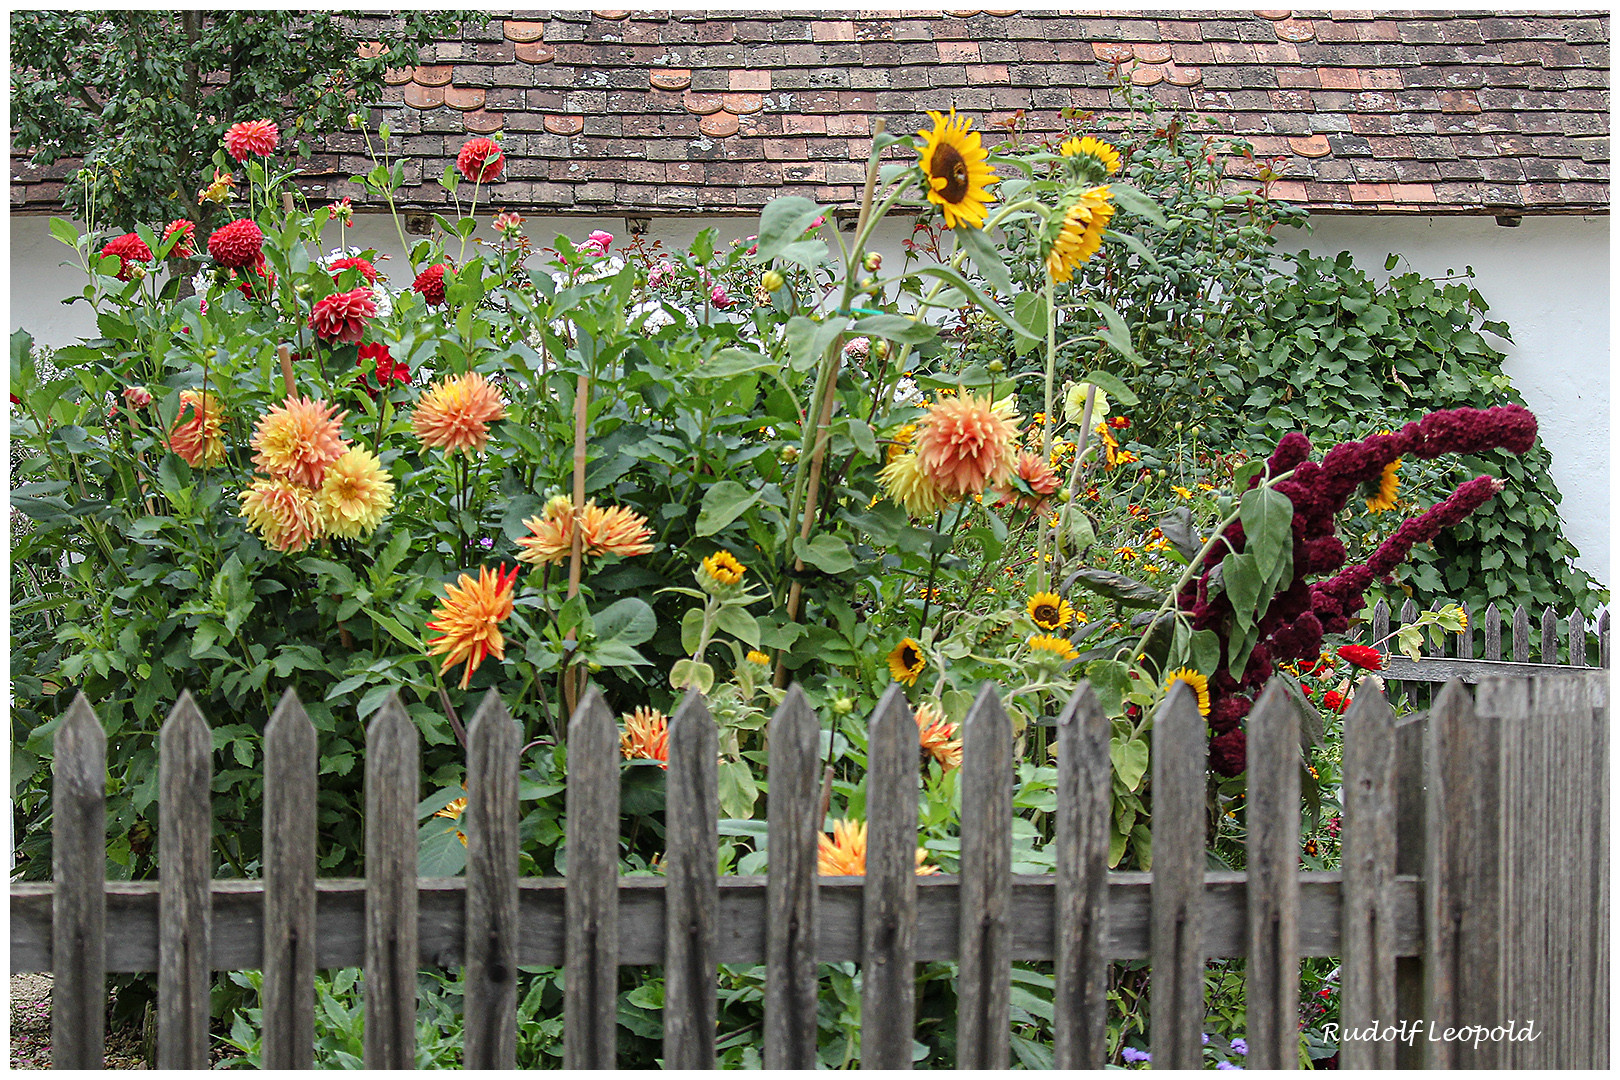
(1548, 279)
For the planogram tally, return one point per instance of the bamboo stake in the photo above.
(576, 559)
(284, 354)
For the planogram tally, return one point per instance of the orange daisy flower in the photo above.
(646, 736)
(285, 514)
(965, 444)
(469, 620)
(844, 853)
(455, 414)
(297, 440)
(453, 810)
(198, 440)
(938, 736)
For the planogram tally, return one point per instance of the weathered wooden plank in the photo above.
(490, 999)
(1603, 639)
(1577, 639)
(1549, 636)
(185, 840)
(1083, 826)
(1413, 694)
(984, 978)
(1444, 669)
(1272, 849)
(1178, 764)
(889, 915)
(794, 813)
(79, 868)
(287, 995)
(238, 918)
(591, 955)
(1411, 858)
(1599, 994)
(692, 816)
(1367, 971)
(1463, 640)
(1493, 633)
(393, 772)
(1521, 635)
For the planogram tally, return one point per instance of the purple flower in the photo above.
(597, 243)
(1206, 1038)
(1132, 1054)
(1240, 1046)
(1228, 1065)
(486, 543)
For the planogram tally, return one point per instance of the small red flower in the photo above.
(236, 244)
(384, 369)
(251, 138)
(247, 286)
(481, 160)
(129, 248)
(367, 271)
(430, 283)
(1362, 657)
(1335, 701)
(342, 316)
(183, 248)
(1119, 423)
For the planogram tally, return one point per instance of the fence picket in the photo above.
(795, 821)
(1367, 974)
(290, 793)
(1577, 639)
(1549, 636)
(490, 955)
(591, 955)
(1409, 614)
(1521, 635)
(1493, 633)
(1603, 639)
(984, 987)
(1178, 763)
(692, 905)
(1272, 849)
(889, 901)
(185, 836)
(393, 772)
(1411, 857)
(79, 867)
(1083, 829)
(1464, 638)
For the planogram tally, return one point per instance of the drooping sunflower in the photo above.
(355, 494)
(1079, 233)
(1199, 684)
(1051, 648)
(298, 439)
(1387, 483)
(955, 168)
(646, 736)
(1049, 611)
(469, 620)
(907, 661)
(938, 737)
(1101, 152)
(723, 568)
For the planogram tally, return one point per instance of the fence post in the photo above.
(290, 794)
(1272, 847)
(185, 909)
(79, 868)
(984, 974)
(1084, 823)
(1180, 751)
(794, 814)
(393, 780)
(1411, 857)
(490, 953)
(1367, 984)
(591, 952)
(889, 895)
(691, 889)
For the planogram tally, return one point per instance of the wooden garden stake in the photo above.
(576, 559)
(284, 354)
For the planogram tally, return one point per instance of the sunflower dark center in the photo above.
(949, 164)
(910, 657)
(1046, 613)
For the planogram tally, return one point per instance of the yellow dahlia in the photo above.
(1080, 233)
(956, 169)
(938, 736)
(1387, 483)
(468, 621)
(453, 810)
(355, 494)
(455, 414)
(904, 481)
(646, 736)
(843, 854)
(297, 440)
(900, 442)
(965, 444)
(1101, 152)
(724, 568)
(906, 662)
(1049, 611)
(1045, 648)
(1193, 679)
(198, 440)
(285, 514)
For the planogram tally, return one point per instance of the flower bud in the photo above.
(137, 397)
(1193, 431)
(788, 455)
(880, 349)
(843, 706)
(873, 261)
(772, 280)
(868, 284)
(996, 367)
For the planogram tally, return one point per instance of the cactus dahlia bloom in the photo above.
(283, 513)
(1079, 233)
(965, 444)
(938, 737)
(844, 853)
(646, 736)
(129, 248)
(198, 440)
(481, 160)
(455, 414)
(1035, 471)
(251, 138)
(342, 316)
(298, 439)
(236, 244)
(469, 620)
(355, 494)
(957, 177)
(613, 530)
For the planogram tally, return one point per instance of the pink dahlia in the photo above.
(183, 247)
(597, 243)
(964, 444)
(342, 316)
(251, 138)
(430, 283)
(367, 271)
(236, 244)
(481, 160)
(129, 248)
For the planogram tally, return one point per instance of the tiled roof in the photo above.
(679, 112)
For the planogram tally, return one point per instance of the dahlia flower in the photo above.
(354, 262)
(905, 482)
(198, 440)
(218, 190)
(183, 248)
(430, 283)
(469, 620)
(251, 138)
(844, 853)
(283, 513)
(964, 444)
(342, 316)
(137, 397)
(455, 414)
(613, 530)
(646, 736)
(355, 494)
(384, 369)
(1362, 657)
(129, 249)
(598, 242)
(480, 160)
(298, 439)
(938, 737)
(236, 244)
(1036, 472)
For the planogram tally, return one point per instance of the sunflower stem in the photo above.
(1046, 532)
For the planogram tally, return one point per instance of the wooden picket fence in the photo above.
(1473, 889)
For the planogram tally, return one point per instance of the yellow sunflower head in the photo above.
(1051, 649)
(1199, 684)
(1076, 234)
(720, 572)
(956, 173)
(1387, 483)
(1049, 611)
(1090, 159)
(907, 661)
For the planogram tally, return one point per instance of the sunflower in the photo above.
(1193, 679)
(844, 853)
(285, 514)
(938, 736)
(756, 657)
(1049, 611)
(455, 414)
(723, 568)
(1079, 232)
(904, 481)
(198, 440)
(1048, 648)
(1387, 483)
(956, 170)
(469, 620)
(1102, 153)
(906, 662)
(646, 736)
(298, 439)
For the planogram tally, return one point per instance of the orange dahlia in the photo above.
(966, 443)
(297, 440)
(646, 736)
(455, 414)
(469, 620)
(938, 736)
(355, 494)
(844, 853)
(1035, 471)
(612, 530)
(283, 513)
(551, 535)
(453, 810)
(198, 440)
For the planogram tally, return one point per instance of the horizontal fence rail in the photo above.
(1443, 908)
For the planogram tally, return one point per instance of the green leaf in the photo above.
(739, 624)
(1110, 680)
(1130, 761)
(1115, 334)
(809, 254)
(995, 310)
(1268, 519)
(1240, 574)
(1135, 202)
(1111, 386)
(730, 363)
(691, 629)
(629, 621)
(895, 328)
(783, 222)
(808, 340)
(1128, 592)
(723, 503)
(827, 553)
(691, 673)
(986, 259)
(1029, 308)
(397, 631)
(738, 790)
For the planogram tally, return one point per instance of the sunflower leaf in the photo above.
(1135, 202)
(954, 277)
(783, 222)
(1110, 385)
(986, 259)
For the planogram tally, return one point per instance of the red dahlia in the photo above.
(367, 271)
(430, 283)
(250, 138)
(481, 160)
(1362, 657)
(342, 316)
(261, 270)
(129, 248)
(384, 369)
(236, 244)
(183, 248)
